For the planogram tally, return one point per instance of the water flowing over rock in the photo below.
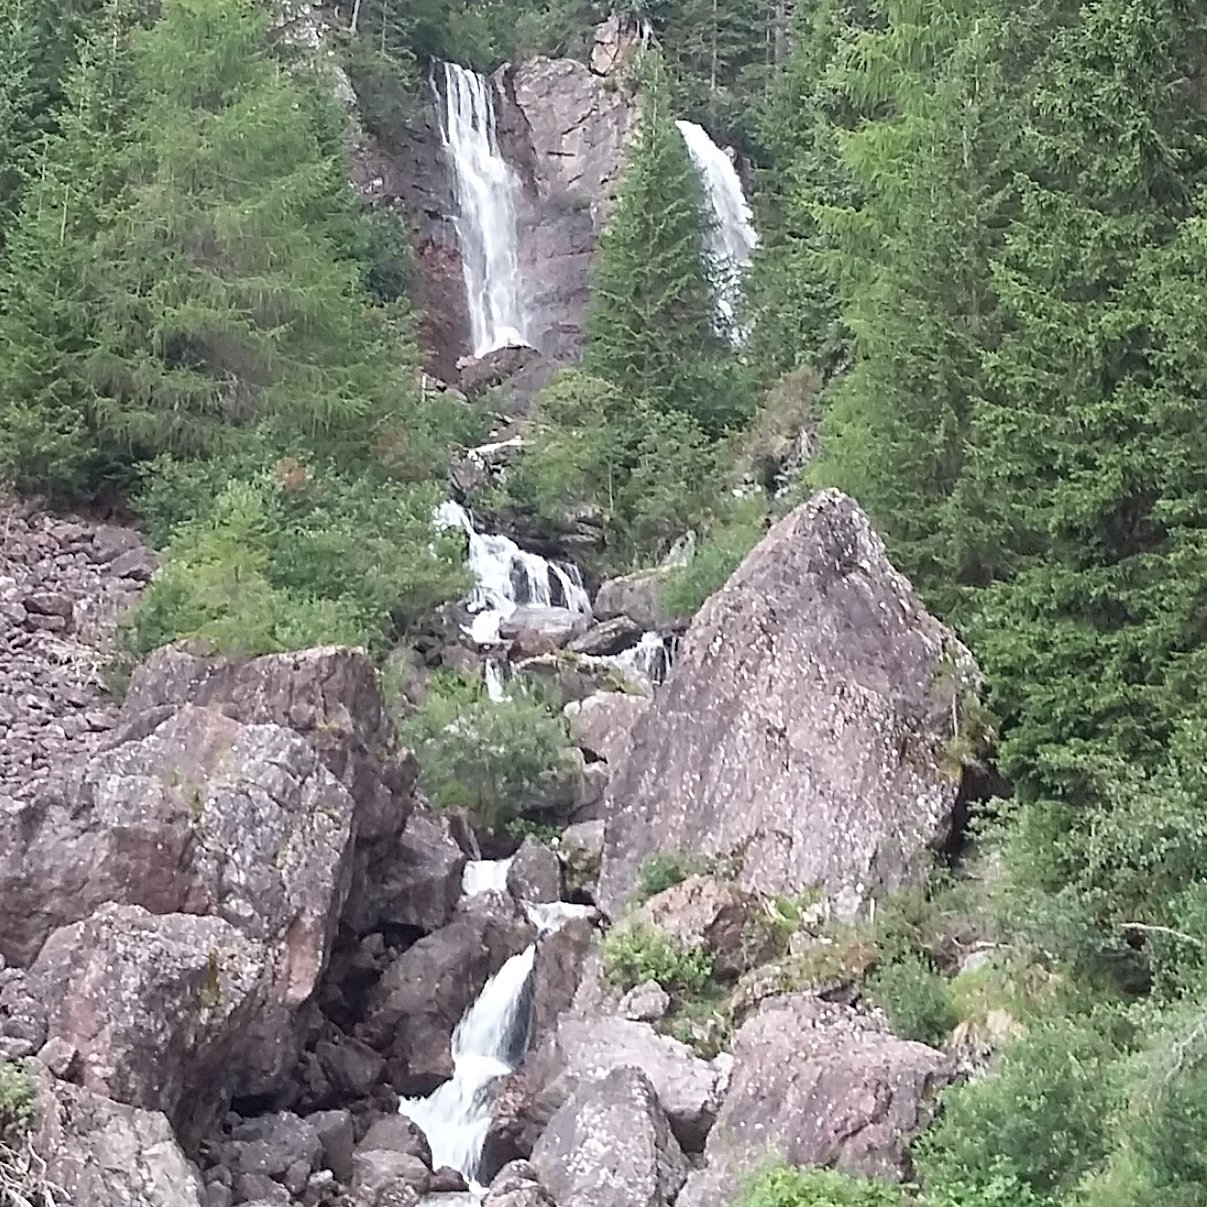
(818, 1084)
(508, 578)
(732, 237)
(803, 730)
(487, 194)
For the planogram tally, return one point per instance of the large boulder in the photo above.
(638, 597)
(203, 815)
(164, 1011)
(818, 1084)
(330, 695)
(602, 724)
(556, 972)
(412, 1011)
(105, 1154)
(610, 1145)
(580, 1049)
(802, 733)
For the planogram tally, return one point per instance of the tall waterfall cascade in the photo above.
(489, 1040)
(733, 238)
(488, 191)
(507, 577)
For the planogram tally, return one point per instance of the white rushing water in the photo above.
(650, 657)
(485, 876)
(487, 194)
(507, 577)
(487, 1044)
(733, 238)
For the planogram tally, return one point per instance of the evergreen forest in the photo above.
(980, 288)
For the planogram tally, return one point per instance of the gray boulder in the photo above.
(639, 597)
(201, 815)
(581, 850)
(535, 873)
(609, 637)
(556, 626)
(818, 1084)
(579, 1049)
(602, 724)
(104, 1154)
(610, 1146)
(556, 972)
(161, 1009)
(803, 731)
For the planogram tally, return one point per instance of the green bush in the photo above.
(634, 953)
(916, 999)
(659, 872)
(289, 557)
(1042, 1118)
(17, 1101)
(497, 759)
(787, 1186)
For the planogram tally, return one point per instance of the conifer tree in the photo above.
(651, 329)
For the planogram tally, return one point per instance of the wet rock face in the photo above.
(802, 731)
(821, 1085)
(64, 582)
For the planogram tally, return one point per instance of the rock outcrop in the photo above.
(564, 128)
(818, 1084)
(802, 732)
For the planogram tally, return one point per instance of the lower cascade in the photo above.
(487, 1045)
(488, 1042)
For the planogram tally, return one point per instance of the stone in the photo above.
(535, 874)
(615, 42)
(50, 603)
(447, 1181)
(374, 1172)
(556, 626)
(638, 597)
(579, 1049)
(350, 1064)
(556, 971)
(274, 1145)
(819, 1084)
(645, 1003)
(412, 1011)
(157, 1007)
(715, 916)
(802, 733)
(396, 1134)
(61, 1057)
(337, 1139)
(258, 1188)
(138, 563)
(581, 850)
(602, 724)
(104, 1154)
(610, 1145)
(609, 637)
(421, 884)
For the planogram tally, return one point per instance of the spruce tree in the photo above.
(651, 329)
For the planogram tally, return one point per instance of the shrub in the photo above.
(634, 953)
(916, 999)
(1041, 1119)
(17, 1105)
(496, 759)
(289, 557)
(660, 872)
(787, 1186)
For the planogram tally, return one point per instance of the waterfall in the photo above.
(487, 1044)
(650, 657)
(487, 193)
(507, 577)
(733, 237)
(485, 876)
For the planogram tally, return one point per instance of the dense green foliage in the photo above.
(633, 954)
(497, 759)
(915, 997)
(786, 1186)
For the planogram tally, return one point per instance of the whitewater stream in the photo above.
(488, 1043)
(488, 191)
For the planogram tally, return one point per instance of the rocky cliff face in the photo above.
(802, 733)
